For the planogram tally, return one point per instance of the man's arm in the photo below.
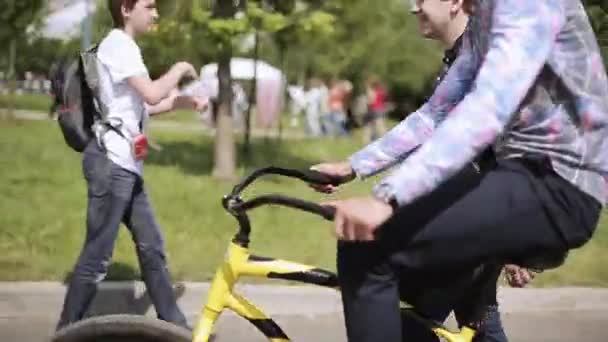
(412, 132)
(521, 38)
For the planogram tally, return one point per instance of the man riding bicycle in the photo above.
(529, 83)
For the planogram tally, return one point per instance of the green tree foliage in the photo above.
(370, 37)
(598, 14)
(36, 54)
(16, 16)
(225, 24)
(330, 38)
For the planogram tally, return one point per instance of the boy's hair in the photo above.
(115, 7)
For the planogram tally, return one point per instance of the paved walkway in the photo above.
(28, 311)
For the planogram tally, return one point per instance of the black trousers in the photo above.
(516, 211)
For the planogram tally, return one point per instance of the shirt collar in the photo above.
(450, 54)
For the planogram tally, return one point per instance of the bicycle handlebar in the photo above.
(238, 208)
(309, 176)
(326, 212)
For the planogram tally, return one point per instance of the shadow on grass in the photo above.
(117, 271)
(197, 158)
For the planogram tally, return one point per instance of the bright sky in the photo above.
(66, 22)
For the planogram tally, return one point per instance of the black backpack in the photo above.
(75, 86)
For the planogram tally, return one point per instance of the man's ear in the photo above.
(457, 6)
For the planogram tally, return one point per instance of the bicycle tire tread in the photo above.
(136, 328)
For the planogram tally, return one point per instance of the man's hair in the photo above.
(115, 7)
(468, 6)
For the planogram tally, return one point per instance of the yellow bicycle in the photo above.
(240, 262)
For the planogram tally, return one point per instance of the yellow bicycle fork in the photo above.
(239, 262)
(221, 294)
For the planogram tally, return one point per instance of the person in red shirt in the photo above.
(334, 123)
(374, 120)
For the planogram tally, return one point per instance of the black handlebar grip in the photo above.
(306, 175)
(316, 177)
(320, 178)
(329, 212)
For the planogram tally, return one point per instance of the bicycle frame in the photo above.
(239, 262)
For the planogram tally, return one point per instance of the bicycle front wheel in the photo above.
(122, 328)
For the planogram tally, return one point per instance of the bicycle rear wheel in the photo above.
(122, 328)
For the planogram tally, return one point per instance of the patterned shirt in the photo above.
(529, 80)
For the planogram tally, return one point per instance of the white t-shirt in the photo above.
(119, 58)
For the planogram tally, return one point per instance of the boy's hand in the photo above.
(200, 103)
(187, 70)
(190, 102)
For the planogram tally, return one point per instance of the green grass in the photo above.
(42, 103)
(37, 102)
(42, 208)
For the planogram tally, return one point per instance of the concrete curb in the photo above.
(29, 311)
(43, 299)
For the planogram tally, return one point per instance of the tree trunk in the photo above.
(12, 55)
(224, 166)
(284, 95)
(224, 159)
(252, 97)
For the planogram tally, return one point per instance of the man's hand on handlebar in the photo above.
(341, 171)
(357, 219)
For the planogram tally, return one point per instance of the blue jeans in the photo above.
(334, 123)
(117, 196)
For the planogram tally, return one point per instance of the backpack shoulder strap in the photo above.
(88, 58)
